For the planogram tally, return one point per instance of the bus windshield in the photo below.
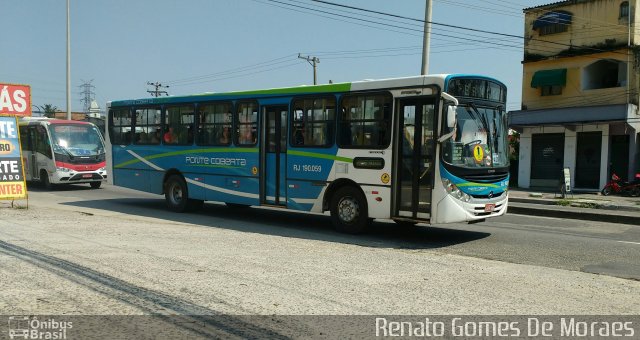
(480, 138)
(76, 139)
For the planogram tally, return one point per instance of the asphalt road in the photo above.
(593, 247)
(117, 251)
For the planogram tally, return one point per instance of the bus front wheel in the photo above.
(44, 180)
(349, 210)
(176, 194)
(95, 185)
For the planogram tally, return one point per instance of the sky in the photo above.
(197, 46)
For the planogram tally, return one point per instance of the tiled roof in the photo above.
(553, 4)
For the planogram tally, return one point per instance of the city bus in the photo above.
(56, 151)
(424, 149)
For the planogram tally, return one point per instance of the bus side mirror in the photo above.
(451, 116)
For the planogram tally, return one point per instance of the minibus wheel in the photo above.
(44, 180)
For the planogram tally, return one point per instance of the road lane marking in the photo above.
(637, 243)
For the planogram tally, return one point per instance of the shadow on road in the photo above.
(383, 234)
(196, 320)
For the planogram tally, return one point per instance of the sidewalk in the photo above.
(578, 205)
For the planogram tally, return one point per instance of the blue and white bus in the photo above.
(425, 149)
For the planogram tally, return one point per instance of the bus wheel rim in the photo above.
(176, 194)
(348, 209)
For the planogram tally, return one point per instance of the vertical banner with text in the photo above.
(15, 100)
(12, 181)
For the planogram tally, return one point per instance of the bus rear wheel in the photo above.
(175, 194)
(349, 210)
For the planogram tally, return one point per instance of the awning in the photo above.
(549, 78)
(552, 18)
(573, 115)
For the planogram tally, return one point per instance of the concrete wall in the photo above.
(573, 93)
(592, 22)
(595, 24)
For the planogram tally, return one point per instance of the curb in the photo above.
(577, 213)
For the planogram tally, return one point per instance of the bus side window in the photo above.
(42, 145)
(25, 142)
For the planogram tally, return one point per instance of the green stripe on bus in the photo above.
(186, 152)
(319, 155)
(471, 184)
(327, 88)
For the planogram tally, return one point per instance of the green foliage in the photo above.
(49, 110)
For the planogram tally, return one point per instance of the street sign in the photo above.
(15, 100)
(12, 181)
(565, 182)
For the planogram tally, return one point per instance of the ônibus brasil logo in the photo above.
(25, 327)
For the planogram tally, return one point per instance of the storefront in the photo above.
(591, 141)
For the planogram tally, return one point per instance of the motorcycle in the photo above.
(615, 186)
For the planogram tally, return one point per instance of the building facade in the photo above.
(579, 94)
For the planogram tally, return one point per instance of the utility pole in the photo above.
(427, 38)
(68, 62)
(87, 94)
(157, 92)
(313, 62)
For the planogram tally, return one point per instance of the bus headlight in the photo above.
(454, 191)
(63, 169)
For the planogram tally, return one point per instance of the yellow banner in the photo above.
(11, 190)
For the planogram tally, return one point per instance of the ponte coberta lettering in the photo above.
(228, 161)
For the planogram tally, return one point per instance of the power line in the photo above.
(446, 25)
(244, 71)
(208, 80)
(271, 62)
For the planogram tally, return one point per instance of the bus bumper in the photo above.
(78, 177)
(451, 210)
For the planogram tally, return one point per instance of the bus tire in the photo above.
(176, 194)
(44, 180)
(349, 210)
(95, 185)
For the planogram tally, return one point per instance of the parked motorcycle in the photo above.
(615, 186)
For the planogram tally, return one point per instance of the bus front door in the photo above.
(275, 155)
(415, 161)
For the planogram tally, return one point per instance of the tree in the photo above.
(49, 110)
